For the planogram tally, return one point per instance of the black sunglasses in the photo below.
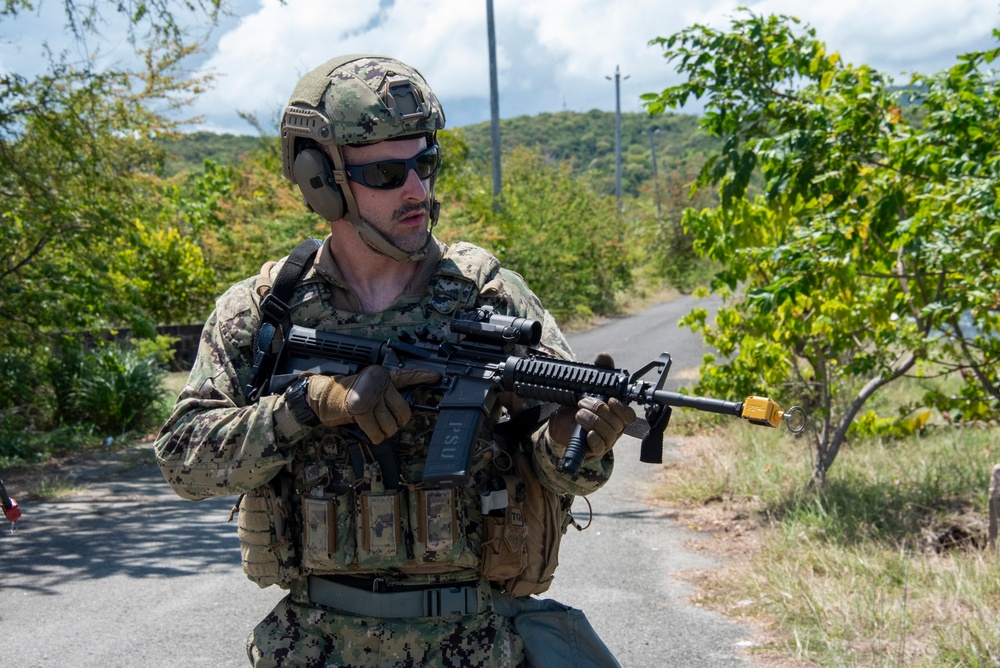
(389, 174)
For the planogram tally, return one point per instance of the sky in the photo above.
(552, 55)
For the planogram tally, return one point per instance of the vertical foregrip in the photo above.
(576, 451)
(564, 383)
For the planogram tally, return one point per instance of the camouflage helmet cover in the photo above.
(358, 99)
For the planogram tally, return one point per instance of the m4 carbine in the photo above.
(481, 365)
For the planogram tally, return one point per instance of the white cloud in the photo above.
(896, 37)
(551, 55)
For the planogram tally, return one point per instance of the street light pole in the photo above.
(656, 178)
(494, 105)
(618, 136)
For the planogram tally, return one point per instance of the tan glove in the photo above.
(604, 421)
(371, 399)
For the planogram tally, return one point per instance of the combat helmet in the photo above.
(356, 100)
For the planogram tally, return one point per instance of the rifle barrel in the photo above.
(699, 403)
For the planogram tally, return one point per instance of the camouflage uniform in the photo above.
(307, 514)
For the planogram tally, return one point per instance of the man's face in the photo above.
(401, 214)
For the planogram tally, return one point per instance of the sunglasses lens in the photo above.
(427, 162)
(389, 174)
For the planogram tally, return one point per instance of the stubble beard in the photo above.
(410, 241)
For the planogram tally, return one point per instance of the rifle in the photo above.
(481, 365)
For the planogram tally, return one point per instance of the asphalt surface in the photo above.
(127, 574)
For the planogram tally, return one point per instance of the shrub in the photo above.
(22, 404)
(121, 391)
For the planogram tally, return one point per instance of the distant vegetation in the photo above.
(584, 141)
(587, 143)
(188, 152)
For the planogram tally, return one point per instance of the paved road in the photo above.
(130, 575)
(623, 570)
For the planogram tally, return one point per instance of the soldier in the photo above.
(381, 569)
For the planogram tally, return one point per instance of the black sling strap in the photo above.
(274, 314)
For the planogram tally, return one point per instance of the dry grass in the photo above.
(862, 574)
(174, 382)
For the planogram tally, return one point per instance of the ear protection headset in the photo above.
(314, 176)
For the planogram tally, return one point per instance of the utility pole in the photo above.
(494, 105)
(656, 178)
(618, 136)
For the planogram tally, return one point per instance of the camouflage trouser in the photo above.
(301, 635)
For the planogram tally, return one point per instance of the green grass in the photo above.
(52, 488)
(20, 448)
(855, 574)
(173, 383)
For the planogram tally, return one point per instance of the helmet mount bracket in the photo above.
(402, 98)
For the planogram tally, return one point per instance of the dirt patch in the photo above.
(734, 529)
(735, 540)
(733, 524)
(61, 477)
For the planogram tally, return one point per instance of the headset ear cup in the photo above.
(311, 170)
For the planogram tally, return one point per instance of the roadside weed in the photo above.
(885, 566)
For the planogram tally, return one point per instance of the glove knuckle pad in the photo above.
(367, 390)
(604, 360)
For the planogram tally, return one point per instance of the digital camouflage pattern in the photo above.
(326, 638)
(216, 443)
(358, 100)
(318, 500)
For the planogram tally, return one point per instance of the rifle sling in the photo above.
(274, 313)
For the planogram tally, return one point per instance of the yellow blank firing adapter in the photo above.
(763, 411)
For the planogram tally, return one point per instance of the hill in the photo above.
(189, 151)
(585, 140)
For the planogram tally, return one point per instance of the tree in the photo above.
(76, 154)
(555, 230)
(868, 249)
(76, 142)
